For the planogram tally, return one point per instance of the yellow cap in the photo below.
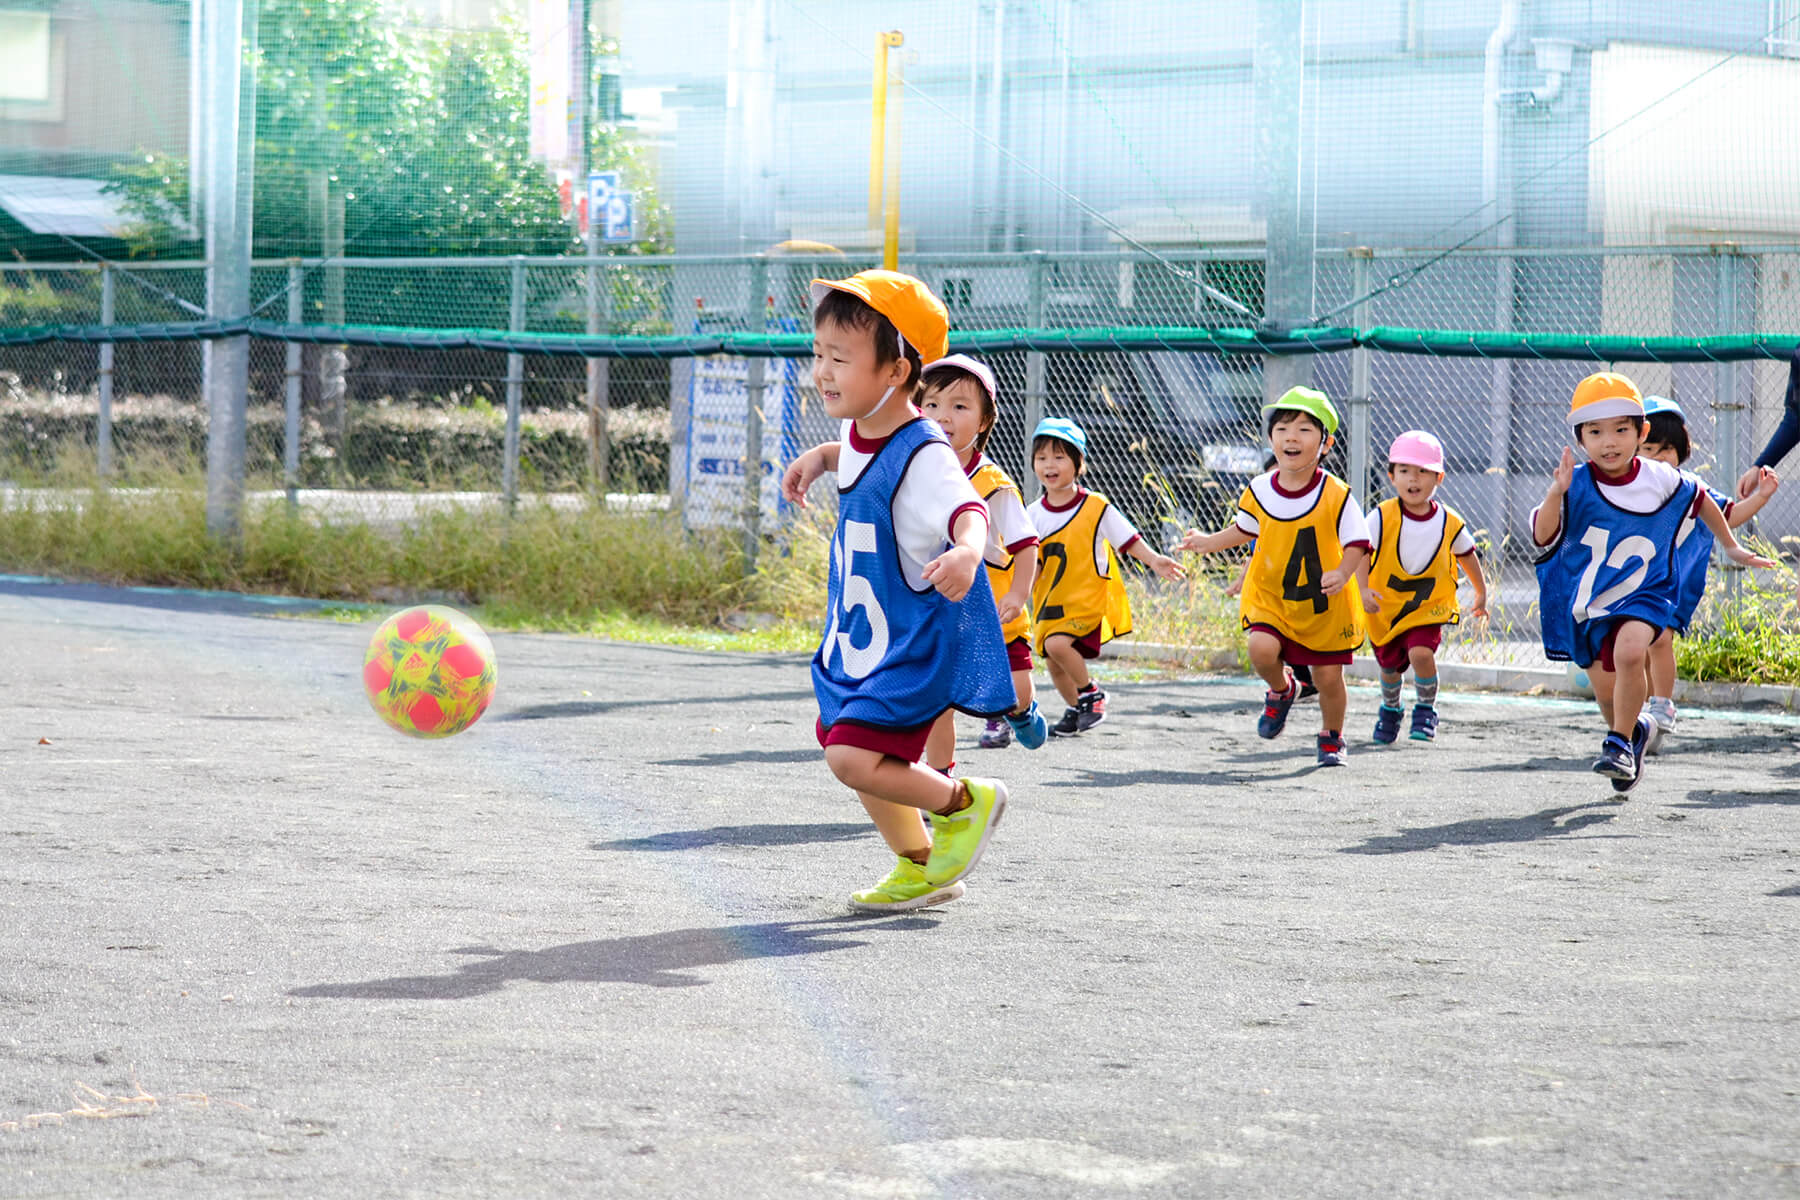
(919, 316)
(1604, 395)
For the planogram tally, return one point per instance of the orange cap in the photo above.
(1604, 395)
(919, 316)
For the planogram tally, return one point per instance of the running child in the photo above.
(1078, 602)
(1418, 545)
(961, 394)
(1668, 442)
(1310, 540)
(910, 630)
(1608, 588)
(1302, 672)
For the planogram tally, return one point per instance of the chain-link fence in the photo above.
(374, 431)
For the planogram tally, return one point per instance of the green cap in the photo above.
(1307, 400)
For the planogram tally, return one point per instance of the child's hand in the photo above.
(1190, 541)
(1564, 475)
(1371, 600)
(952, 573)
(1478, 611)
(1766, 483)
(799, 476)
(1167, 567)
(1009, 608)
(1332, 582)
(1747, 558)
(1235, 587)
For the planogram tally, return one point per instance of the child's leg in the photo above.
(1631, 669)
(891, 780)
(1025, 689)
(1602, 680)
(901, 827)
(1390, 687)
(1424, 668)
(1068, 670)
(940, 745)
(1265, 660)
(1334, 697)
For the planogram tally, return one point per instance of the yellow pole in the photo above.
(878, 124)
(890, 238)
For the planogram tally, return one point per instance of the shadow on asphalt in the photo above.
(1491, 830)
(654, 960)
(1707, 798)
(738, 758)
(237, 604)
(743, 835)
(1787, 891)
(1193, 710)
(591, 708)
(1124, 779)
(1530, 764)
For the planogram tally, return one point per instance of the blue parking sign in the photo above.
(609, 207)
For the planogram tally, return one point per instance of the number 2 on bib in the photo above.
(1588, 606)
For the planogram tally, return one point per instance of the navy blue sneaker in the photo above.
(1029, 727)
(1275, 709)
(1331, 749)
(1424, 723)
(1640, 737)
(1069, 726)
(1387, 724)
(1616, 761)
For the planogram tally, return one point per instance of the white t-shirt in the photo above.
(1114, 527)
(1353, 527)
(1645, 487)
(1009, 529)
(932, 494)
(1420, 537)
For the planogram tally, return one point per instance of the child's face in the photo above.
(1297, 441)
(1414, 485)
(850, 381)
(1612, 443)
(1053, 466)
(1661, 452)
(957, 410)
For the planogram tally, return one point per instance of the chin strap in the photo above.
(879, 405)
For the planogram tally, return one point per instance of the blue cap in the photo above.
(1662, 404)
(1063, 429)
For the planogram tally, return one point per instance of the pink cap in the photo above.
(1417, 448)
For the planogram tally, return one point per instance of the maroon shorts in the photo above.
(1296, 655)
(1612, 635)
(1394, 656)
(1087, 645)
(905, 744)
(1018, 654)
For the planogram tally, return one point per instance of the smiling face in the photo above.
(1053, 465)
(1414, 485)
(959, 411)
(1298, 441)
(1661, 451)
(1611, 443)
(850, 380)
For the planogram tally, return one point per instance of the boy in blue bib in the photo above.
(1608, 584)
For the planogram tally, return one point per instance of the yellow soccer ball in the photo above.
(429, 671)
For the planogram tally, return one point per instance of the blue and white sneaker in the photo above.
(1640, 737)
(1275, 709)
(1387, 724)
(1332, 752)
(1617, 760)
(994, 737)
(1029, 727)
(1424, 723)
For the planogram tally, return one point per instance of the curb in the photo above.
(1531, 681)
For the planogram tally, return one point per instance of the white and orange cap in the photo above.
(1604, 395)
(983, 373)
(1416, 448)
(921, 318)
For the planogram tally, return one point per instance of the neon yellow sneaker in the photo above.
(958, 839)
(904, 890)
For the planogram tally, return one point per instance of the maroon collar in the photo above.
(1630, 474)
(1275, 482)
(1080, 495)
(863, 445)
(1409, 515)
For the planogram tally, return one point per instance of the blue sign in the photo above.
(609, 207)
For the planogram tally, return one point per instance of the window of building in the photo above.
(24, 57)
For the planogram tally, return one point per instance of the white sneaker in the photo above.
(1661, 712)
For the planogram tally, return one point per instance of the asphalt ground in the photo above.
(257, 944)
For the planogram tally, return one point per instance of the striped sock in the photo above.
(1427, 687)
(1390, 690)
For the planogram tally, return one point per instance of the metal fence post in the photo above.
(104, 434)
(1726, 404)
(290, 442)
(599, 379)
(1362, 371)
(515, 391)
(1036, 368)
(755, 381)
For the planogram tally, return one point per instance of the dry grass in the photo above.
(92, 1104)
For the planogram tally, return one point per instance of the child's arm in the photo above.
(805, 469)
(952, 573)
(1715, 521)
(1162, 564)
(1547, 520)
(1237, 585)
(1354, 566)
(1471, 565)
(1371, 597)
(1025, 564)
(1744, 509)
(1228, 538)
